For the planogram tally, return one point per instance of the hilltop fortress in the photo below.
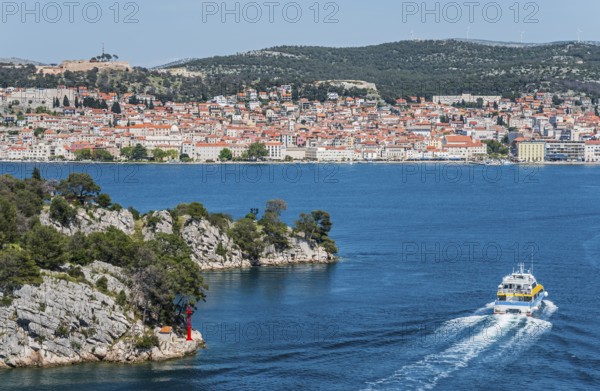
(83, 66)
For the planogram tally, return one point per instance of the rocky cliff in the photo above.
(203, 238)
(69, 320)
(72, 318)
(93, 220)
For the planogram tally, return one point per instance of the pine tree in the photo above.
(36, 175)
(77, 102)
(66, 102)
(116, 108)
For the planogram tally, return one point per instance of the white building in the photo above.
(592, 151)
(295, 153)
(467, 98)
(330, 154)
(275, 150)
(394, 152)
(205, 152)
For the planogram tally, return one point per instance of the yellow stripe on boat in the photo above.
(538, 288)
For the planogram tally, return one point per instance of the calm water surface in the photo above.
(408, 307)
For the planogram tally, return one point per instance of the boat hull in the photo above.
(518, 308)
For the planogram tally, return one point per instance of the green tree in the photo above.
(137, 153)
(102, 155)
(256, 151)
(116, 108)
(315, 227)
(275, 230)
(276, 207)
(225, 155)
(61, 211)
(36, 175)
(83, 154)
(66, 102)
(496, 148)
(307, 226)
(126, 152)
(165, 278)
(8, 222)
(80, 187)
(104, 200)
(79, 250)
(159, 155)
(17, 269)
(113, 247)
(220, 220)
(556, 101)
(195, 210)
(46, 246)
(246, 236)
(38, 132)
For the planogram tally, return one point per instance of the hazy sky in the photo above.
(153, 32)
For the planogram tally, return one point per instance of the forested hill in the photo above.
(420, 67)
(399, 69)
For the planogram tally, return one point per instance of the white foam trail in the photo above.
(549, 308)
(452, 330)
(530, 330)
(486, 308)
(460, 323)
(426, 373)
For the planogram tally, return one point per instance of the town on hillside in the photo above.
(74, 123)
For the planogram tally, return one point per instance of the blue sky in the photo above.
(161, 31)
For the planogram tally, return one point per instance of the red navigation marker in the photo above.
(189, 323)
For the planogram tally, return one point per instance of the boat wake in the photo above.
(495, 337)
(487, 308)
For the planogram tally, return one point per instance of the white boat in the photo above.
(519, 294)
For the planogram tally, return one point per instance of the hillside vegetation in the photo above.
(422, 67)
(399, 69)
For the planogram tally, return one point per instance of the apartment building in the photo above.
(531, 151)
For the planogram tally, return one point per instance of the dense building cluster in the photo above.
(77, 123)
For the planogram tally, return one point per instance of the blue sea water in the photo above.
(423, 249)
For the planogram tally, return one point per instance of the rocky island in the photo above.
(83, 279)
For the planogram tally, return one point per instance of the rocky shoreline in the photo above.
(201, 236)
(69, 320)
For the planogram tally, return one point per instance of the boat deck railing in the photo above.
(514, 291)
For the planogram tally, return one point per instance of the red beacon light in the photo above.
(189, 313)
